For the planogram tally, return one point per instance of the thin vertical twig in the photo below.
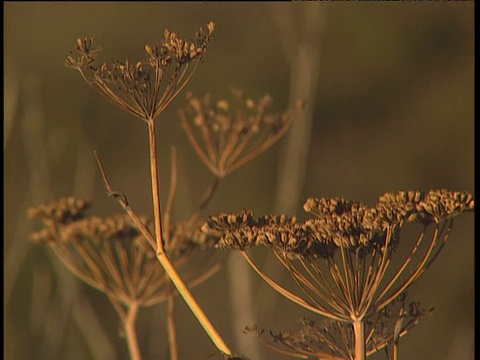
(32, 125)
(304, 77)
(171, 325)
(242, 302)
(207, 196)
(304, 59)
(171, 195)
(152, 140)
(68, 295)
(162, 255)
(130, 332)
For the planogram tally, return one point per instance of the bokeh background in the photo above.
(390, 95)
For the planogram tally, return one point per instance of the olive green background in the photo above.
(393, 110)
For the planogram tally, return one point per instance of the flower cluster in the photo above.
(341, 261)
(62, 211)
(109, 253)
(136, 86)
(338, 223)
(227, 138)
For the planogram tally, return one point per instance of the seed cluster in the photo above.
(136, 86)
(225, 136)
(109, 253)
(338, 223)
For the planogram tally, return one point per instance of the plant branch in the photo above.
(171, 196)
(168, 267)
(204, 200)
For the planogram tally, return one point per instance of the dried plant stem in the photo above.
(171, 195)
(289, 295)
(359, 330)
(155, 188)
(421, 267)
(171, 325)
(192, 304)
(161, 255)
(130, 333)
(204, 200)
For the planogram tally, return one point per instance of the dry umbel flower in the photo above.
(227, 136)
(137, 86)
(138, 90)
(339, 259)
(111, 255)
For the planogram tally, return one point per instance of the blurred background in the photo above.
(390, 106)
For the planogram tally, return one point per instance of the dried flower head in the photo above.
(62, 211)
(137, 86)
(228, 138)
(340, 258)
(110, 254)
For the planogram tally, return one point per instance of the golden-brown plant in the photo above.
(119, 255)
(342, 260)
(140, 90)
(111, 255)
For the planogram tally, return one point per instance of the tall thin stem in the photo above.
(192, 304)
(172, 327)
(155, 187)
(162, 255)
(359, 330)
(204, 200)
(130, 332)
(167, 265)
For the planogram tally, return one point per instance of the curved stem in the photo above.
(204, 200)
